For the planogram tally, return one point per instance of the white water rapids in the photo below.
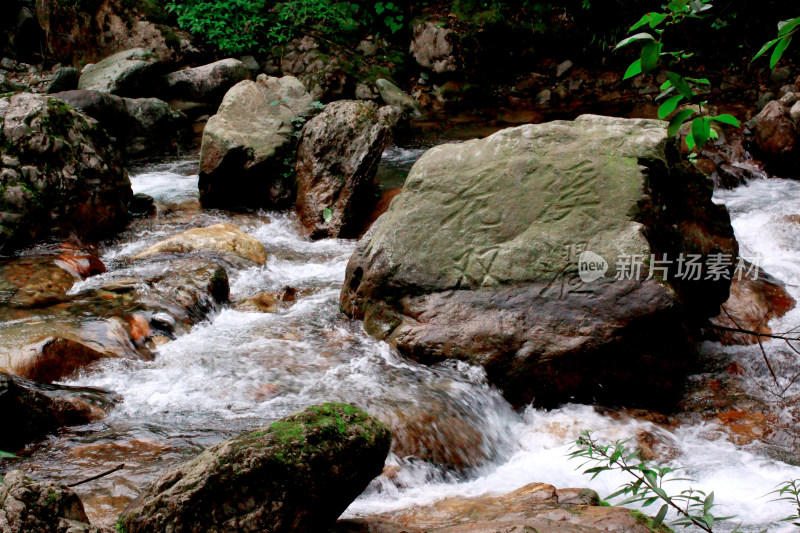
(240, 370)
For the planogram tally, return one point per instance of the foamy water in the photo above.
(240, 370)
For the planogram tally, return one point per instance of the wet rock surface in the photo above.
(534, 507)
(298, 474)
(456, 269)
(32, 410)
(223, 238)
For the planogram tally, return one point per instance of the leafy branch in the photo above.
(789, 491)
(786, 30)
(693, 507)
(680, 90)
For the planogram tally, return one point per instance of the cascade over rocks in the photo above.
(534, 507)
(58, 174)
(475, 260)
(242, 157)
(298, 474)
(28, 506)
(337, 160)
(139, 126)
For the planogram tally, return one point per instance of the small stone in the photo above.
(764, 99)
(8, 64)
(794, 112)
(543, 97)
(562, 68)
(781, 75)
(788, 99)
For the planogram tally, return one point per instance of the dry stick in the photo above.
(98, 476)
(758, 338)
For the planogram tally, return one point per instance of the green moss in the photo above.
(120, 527)
(603, 503)
(286, 431)
(648, 523)
(52, 497)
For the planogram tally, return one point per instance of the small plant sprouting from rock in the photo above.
(693, 507)
(6, 455)
(327, 214)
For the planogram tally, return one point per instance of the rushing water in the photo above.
(240, 370)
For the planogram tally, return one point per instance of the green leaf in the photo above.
(669, 106)
(680, 85)
(6, 455)
(659, 518)
(779, 50)
(765, 48)
(633, 70)
(727, 119)
(327, 214)
(652, 19)
(678, 120)
(634, 38)
(709, 502)
(701, 130)
(787, 26)
(650, 54)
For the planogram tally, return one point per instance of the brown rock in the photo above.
(534, 507)
(776, 133)
(223, 237)
(337, 160)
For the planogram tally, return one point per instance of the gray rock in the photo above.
(66, 178)
(64, 79)
(28, 506)
(298, 474)
(476, 260)
(208, 83)
(562, 68)
(251, 63)
(394, 96)
(436, 47)
(245, 144)
(122, 73)
(139, 126)
(794, 112)
(337, 160)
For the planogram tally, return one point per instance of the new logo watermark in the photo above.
(591, 266)
(687, 267)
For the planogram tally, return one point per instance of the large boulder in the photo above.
(207, 83)
(123, 73)
(298, 474)
(534, 507)
(325, 73)
(31, 410)
(78, 33)
(436, 47)
(337, 160)
(225, 238)
(478, 259)
(28, 506)
(58, 173)
(242, 156)
(139, 126)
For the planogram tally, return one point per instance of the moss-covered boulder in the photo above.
(478, 259)
(59, 174)
(298, 474)
(337, 160)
